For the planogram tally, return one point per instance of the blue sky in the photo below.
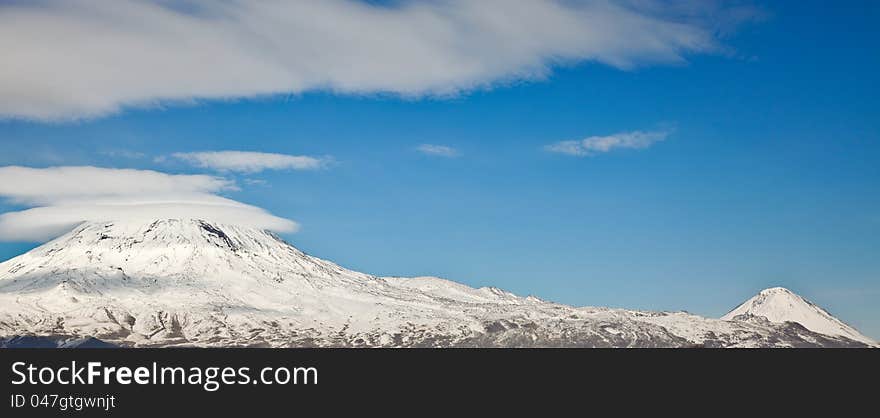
(768, 175)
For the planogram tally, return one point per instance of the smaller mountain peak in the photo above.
(777, 290)
(778, 305)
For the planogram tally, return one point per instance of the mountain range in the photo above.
(193, 282)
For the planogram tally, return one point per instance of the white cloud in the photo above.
(250, 162)
(37, 186)
(68, 59)
(438, 150)
(61, 197)
(601, 144)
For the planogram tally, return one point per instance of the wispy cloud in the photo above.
(132, 155)
(59, 198)
(251, 162)
(438, 150)
(601, 144)
(255, 182)
(68, 59)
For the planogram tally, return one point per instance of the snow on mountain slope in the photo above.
(197, 283)
(780, 305)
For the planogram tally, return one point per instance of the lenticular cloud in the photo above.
(58, 198)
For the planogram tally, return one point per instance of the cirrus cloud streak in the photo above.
(250, 162)
(601, 144)
(438, 150)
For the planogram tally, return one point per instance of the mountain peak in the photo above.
(776, 290)
(171, 232)
(97, 257)
(779, 305)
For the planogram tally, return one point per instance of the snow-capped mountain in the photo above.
(780, 305)
(199, 283)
